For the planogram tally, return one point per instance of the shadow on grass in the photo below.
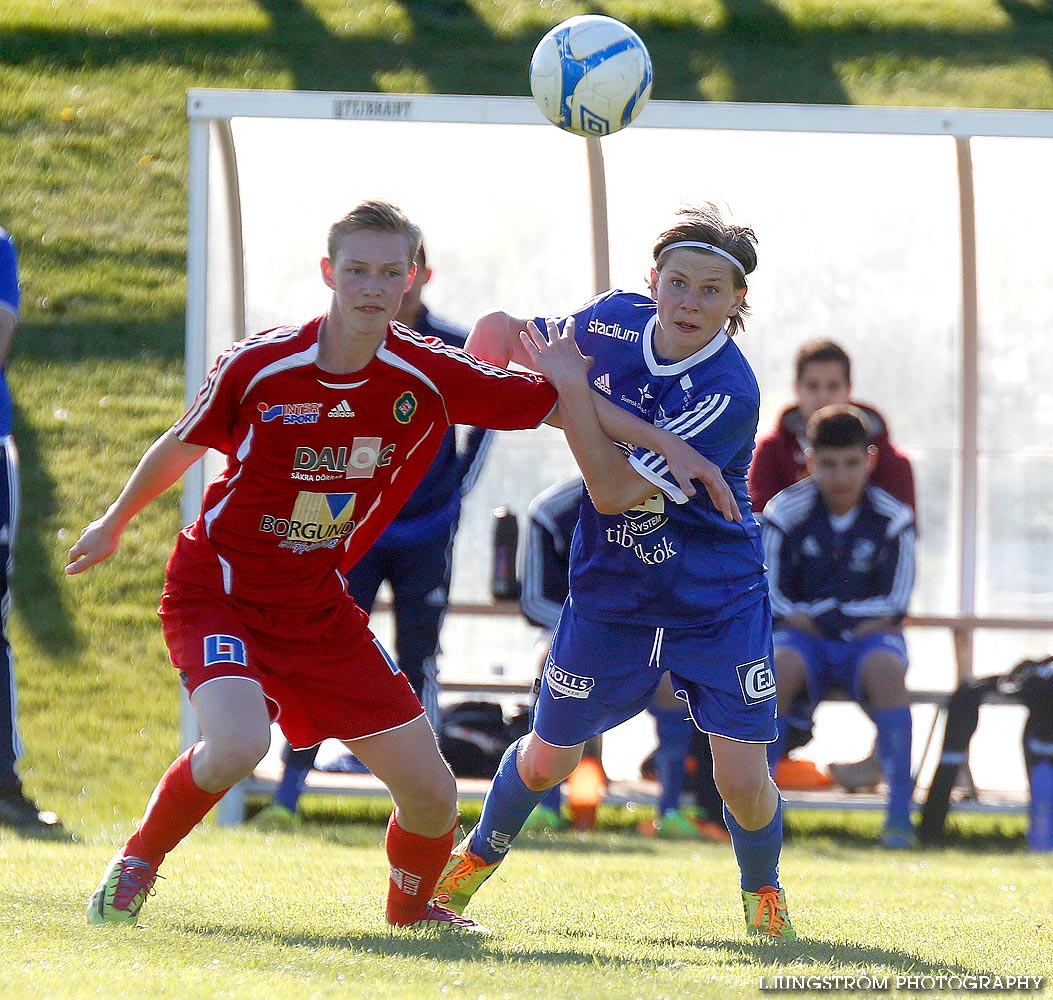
(759, 52)
(444, 944)
(42, 602)
(796, 956)
(80, 340)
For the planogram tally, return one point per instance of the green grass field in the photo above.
(575, 917)
(93, 157)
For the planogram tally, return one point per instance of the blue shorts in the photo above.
(599, 674)
(836, 662)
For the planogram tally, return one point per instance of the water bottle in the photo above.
(505, 585)
(1040, 834)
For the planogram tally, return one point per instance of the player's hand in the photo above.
(686, 464)
(98, 541)
(557, 356)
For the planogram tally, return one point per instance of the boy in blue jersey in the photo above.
(840, 555)
(659, 581)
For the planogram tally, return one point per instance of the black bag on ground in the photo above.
(473, 737)
(1031, 683)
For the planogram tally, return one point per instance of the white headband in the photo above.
(705, 246)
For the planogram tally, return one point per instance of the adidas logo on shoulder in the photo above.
(603, 383)
(341, 410)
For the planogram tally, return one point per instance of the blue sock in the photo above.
(290, 788)
(674, 743)
(506, 807)
(777, 750)
(895, 731)
(757, 851)
(553, 798)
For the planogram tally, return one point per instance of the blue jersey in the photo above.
(838, 572)
(672, 561)
(9, 301)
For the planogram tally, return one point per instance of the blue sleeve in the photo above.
(719, 426)
(10, 298)
(582, 315)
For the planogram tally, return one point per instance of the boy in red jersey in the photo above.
(327, 428)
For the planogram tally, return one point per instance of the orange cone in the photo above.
(586, 787)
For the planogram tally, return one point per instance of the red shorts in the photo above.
(324, 671)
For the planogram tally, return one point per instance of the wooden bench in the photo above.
(231, 809)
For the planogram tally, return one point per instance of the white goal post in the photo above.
(918, 238)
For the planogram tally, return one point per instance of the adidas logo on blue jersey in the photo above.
(341, 410)
(603, 383)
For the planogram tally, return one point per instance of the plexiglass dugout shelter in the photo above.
(917, 238)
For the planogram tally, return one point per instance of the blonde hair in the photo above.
(377, 217)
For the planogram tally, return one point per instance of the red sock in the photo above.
(416, 864)
(175, 808)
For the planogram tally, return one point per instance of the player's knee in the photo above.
(431, 810)
(221, 765)
(742, 791)
(539, 775)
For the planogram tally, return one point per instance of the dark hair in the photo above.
(822, 349)
(379, 217)
(840, 425)
(704, 223)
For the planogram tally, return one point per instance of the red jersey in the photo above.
(780, 460)
(319, 463)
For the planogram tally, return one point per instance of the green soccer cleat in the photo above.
(766, 914)
(688, 824)
(275, 818)
(462, 876)
(543, 818)
(120, 895)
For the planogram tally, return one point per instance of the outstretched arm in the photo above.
(613, 484)
(162, 465)
(495, 338)
(499, 338)
(685, 463)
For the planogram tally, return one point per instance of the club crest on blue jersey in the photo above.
(563, 684)
(224, 649)
(757, 680)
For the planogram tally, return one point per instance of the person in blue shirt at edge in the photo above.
(840, 556)
(659, 581)
(415, 556)
(17, 811)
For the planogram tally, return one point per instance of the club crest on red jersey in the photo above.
(404, 408)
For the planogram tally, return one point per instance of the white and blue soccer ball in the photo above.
(591, 75)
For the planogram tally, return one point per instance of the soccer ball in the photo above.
(591, 75)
